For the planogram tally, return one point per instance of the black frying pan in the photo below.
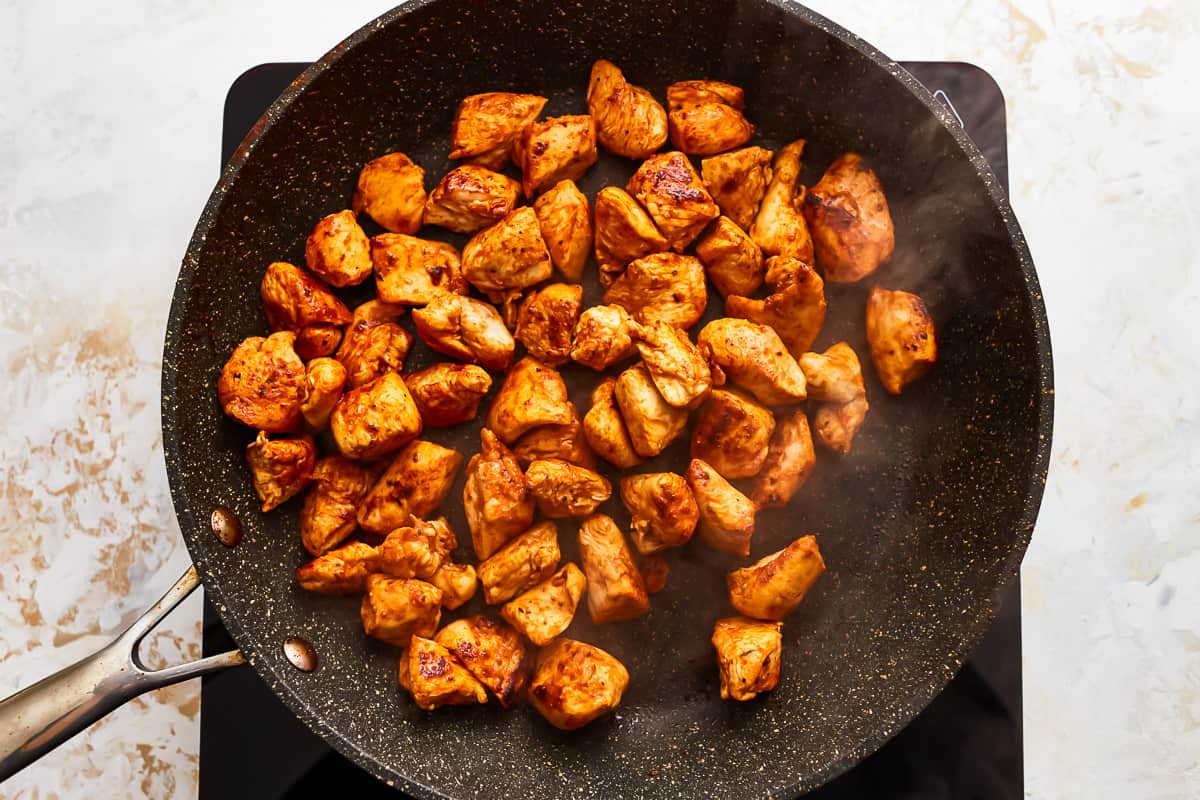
(920, 526)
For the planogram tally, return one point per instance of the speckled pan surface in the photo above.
(919, 526)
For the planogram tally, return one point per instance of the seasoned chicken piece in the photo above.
(324, 379)
(391, 191)
(437, 678)
(262, 383)
(706, 117)
(603, 337)
(566, 442)
(396, 609)
(295, 300)
(496, 498)
(652, 422)
(565, 220)
(565, 490)
(837, 423)
(731, 258)
(726, 515)
(624, 232)
(748, 655)
(337, 251)
(555, 149)
(737, 181)
(532, 395)
(340, 571)
(616, 591)
(690, 93)
(448, 393)
(509, 255)
(546, 320)
(492, 651)
(662, 509)
(374, 312)
(629, 121)
(413, 551)
(471, 197)
(317, 340)
(848, 216)
(834, 376)
(796, 310)
(901, 335)
(790, 460)
(520, 564)
(371, 351)
(605, 430)
(576, 683)
(466, 328)
(375, 419)
(662, 287)
(655, 571)
(677, 367)
(414, 485)
(328, 515)
(414, 271)
(546, 610)
(773, 586)
(508, 303)
(779, 227)
(280, 468)
(753, 357)
(487, 125)
(457, 582)
(671, 190)
(732, 433)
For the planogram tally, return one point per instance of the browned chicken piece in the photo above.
(662, 287)
(662, 509)
(414, 485)
(457, 582)
(337, 251)
(555, 149)
(487, 125)
(437, 678)
(732, 433)
(651, 421)
(690, 93)
(448, 393)
(726, 515)
(624, 232)
(737, 181)
(834, 376)
(396, 609)
(753, 357)
(317, 340)
(546, 321)
(521, 564)
(773, 586)
(676, 365)
(546, 610)
(328, 515)
(375, 419)
(294, 300)
(749, 653)
(901, 335)
(731, 258)
(471, 197)
(655, 571)
(605, 430)
(493, 652)
(412, 271)
(671, 190)
(324, 380)
(566, 442)
(575, 683)
(790, 460)
(706, 117)
(565, 220)
(564, 490)
(603, 337)
(509, 255)
(836, 424)
(369, 352)
(412, 551)
(391, 191)
(467, 329)
(262, 384)
(796, 310)
(374, 312)
(340, 571)
(280, 468)
(629, 121)
(779, 227)
(508, 303)
(496, 499)
(616, 591)
(848, 216)
(532, 395)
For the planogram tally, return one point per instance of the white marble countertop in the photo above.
(109, 131)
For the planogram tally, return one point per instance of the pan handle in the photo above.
(39, 718)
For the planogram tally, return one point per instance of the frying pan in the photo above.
(921, 525)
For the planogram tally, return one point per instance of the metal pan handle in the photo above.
(39, 718)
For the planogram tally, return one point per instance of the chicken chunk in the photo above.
(706, 117)
(790, 460)
(848, 216)
(753, 357)
(467, 329)
(731, 258)
(317, 340)
(493, 653)
(340, 571)
(555, 149)
(796, 310)
(369, 352)
(412, 271)
(616, 591)
(337, 251)
(293, 300)
(726, 515)
(486, 126)
(662, 287)
(532, 395)
(457, 582)
(779, 227)
(662, 508)
(391, 191)
(603, 337)
(546, 321)
(509, 255)
(396, 609)
(447, 393)
(837, 424)
(624, 232)
(324, 380)
(605, 430)
(902, 338)
(565, 490)
(566, 442)
(690, 93)
(773, 586)
(629, 121)
(280, 468)
(671, 190)
(414, 485)
(520, 564)
(471, 197)
(748, 655)
(413, 551)
(496, 499)
(263, 383)
(652, 422)
(676, 365)
(328, 515)
(732, 433)
(565, 220)
(375, 419)
(576, 683)
(546, 610)
(437, 678)
(834, 376)
(737, 181)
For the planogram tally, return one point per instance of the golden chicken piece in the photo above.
(565, 220)
(566, 442)
(796, 310)
(624, 232)
(496, 498)
(779, 227)
(706, 117)
(576, 683)
(532, 395)
(280, 468)
(629, 121)
(836, 424)
(651, 421)
(662, 508)
(412, 271)
(493, 653)
(546, 610)
(790, 460)
(371, 351)
(391, 191)
(732, 433)
(447, 393)
(437, 678)
(737, 181)
(690, 93)
(605, 430)
(508, 303)
(486, 126)
(413, 551)
(848, 216)
(748, 655)
(396, 609)
(753, 357)
(414, 485)
(662, 287)
(340, 571)
(295, 300)
(471, 197)
(457, 582)
(773, 586)
(726, 515)
(467, 329)
(731, 258)
(337, 251)
(546, 321)
(520, 564)
(834, 376)
(509, 255)
(555, 149)
(317, 340)
(676, 365)
(327, 517)
(375, 419)
(263, 383)
(603, 337)
(901, 336)
(564, 490)
(671, 190)
(616, 591)
(655, 571)
(324, 380)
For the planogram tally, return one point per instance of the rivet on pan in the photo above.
(226, 526)
(300, 653)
